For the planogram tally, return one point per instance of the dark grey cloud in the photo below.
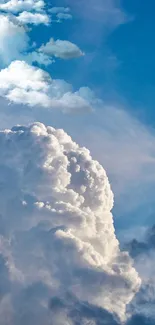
(137, 248)
(140, 320)
(143, 253)
(81, 312)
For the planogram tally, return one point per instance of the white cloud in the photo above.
(61, 49)
(13, 39)
(29, 11)
(56, 230)
(21, 75)
(16, 6)
(39, 57)
(33, 18)
(23, 84)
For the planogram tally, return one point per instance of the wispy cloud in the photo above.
(126, 147)
(95, 21)
(60, 13)
(100, 11)
(98, 16)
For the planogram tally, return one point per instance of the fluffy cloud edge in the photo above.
(24, 84)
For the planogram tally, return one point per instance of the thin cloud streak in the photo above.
(126, 147)
(97, 18)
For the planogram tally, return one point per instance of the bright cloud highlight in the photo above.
(33, 18)
(16, 6)
(23, 84)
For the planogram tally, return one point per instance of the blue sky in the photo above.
(133, 45)
(119, 62)
(118, 66)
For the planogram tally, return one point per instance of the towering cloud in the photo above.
(59, 256)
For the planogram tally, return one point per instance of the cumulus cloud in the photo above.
(26, 12)
(33, 18)
(15, 6)
(61, 49)
(24, 84)
(37, 57)
(59, 253)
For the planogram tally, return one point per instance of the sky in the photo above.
(85, 67)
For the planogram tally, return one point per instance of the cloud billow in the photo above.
(15, 6)
(57, 243)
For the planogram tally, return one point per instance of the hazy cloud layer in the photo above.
(61, 13)
(98, 18)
